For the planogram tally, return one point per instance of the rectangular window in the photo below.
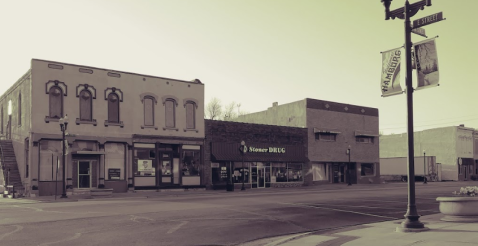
(115, 161)
(50, 160)
(191, 163)
(318, 172)
(368, 169)
(170, 121)
(144, 162)
(148, 111)
(364, 139)
(279, 172)
(239, 170)
(325, 136)
(190, 116)
(1, 115)
(294, 172)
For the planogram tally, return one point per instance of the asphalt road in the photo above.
(210, 218)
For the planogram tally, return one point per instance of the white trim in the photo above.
(144, 145)
(194, 147)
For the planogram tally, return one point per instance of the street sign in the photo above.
(419, 31)
(428, 20)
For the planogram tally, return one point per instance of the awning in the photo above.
(366, 134)
(87, 152)
(231, 152)
(330, 131)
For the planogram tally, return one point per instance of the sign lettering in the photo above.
(428, 20)
(266, 150)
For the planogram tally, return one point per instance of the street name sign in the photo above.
(428, 20)
(419, 31)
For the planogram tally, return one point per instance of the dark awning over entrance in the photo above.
(259, 152)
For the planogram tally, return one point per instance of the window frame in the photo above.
(370, 139)
(166, 116)
(194, 105)
(60, 105)
(145, 125)
(322, 136)
(19, 110)
(91, 106)
(374, 168)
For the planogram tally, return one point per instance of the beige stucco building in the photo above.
(125, 130)
(454, 147)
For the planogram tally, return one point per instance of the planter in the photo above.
(101, 192)
(459, 209)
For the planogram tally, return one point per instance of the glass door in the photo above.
(254, 176)
(84, 174)
(166, 169)
(261, 177)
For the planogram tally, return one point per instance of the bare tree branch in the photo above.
(214, 109)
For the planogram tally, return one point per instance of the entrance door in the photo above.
(84, 174)
(254, 176)
(342, 173)
(166, 166)
(335, 173)
(261, 177)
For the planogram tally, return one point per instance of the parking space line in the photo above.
(340, 210)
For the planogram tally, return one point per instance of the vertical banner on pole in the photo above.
(390, 81)
(427, 64)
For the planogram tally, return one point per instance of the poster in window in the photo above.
(145, 165)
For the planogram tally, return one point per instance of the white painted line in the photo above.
(280, 241)
(340, 210)
(177, 227)
(18, 228)
(77, 235)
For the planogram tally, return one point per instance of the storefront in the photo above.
(165, 165)
(261, 165)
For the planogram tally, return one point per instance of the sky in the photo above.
(254, 52)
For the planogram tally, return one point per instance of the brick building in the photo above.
(125, 131)
(342, 139)
(275, 156)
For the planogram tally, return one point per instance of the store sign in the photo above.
(145, 165)
(265, 150)
(114, 173)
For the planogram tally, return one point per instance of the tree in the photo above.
(214, 109)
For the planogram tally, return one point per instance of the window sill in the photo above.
(78, 121)
(48, 119)
(170, 128)
(155, 127)
(120, 124)
(191, 130)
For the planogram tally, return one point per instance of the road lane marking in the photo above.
(177, 227)
(138, 218)
(76, 236)
(340, 210)
(18, 228)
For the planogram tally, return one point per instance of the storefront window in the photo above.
(50, 160)
(239, 170)
(191, 163)
(319, 172)
(368, 169)
(279, 172)
(144, 162)
(114, 161)
(294, 172)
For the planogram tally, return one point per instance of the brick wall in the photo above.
(235, 132)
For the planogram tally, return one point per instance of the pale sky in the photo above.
(254, 52)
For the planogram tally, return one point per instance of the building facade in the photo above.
(274, 156)
(342, 139)
(454, 147)
(125, 130)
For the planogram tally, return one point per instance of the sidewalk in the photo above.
(144, 194)
(440, 233)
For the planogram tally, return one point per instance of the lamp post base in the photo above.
(411, 225)
(64, 196)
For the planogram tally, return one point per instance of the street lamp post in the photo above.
(424, 168)
(242, 148)
(412, 222)
(63, 126)
(348, 169)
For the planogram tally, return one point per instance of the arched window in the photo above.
(86, 105)
(190, 115)
(56, 102)
(170, 116)
(113, 108)
(19, 109)
(148, 103)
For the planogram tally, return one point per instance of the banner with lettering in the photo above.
(426, 63)
(390, 82)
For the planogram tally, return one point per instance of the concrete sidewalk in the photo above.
(440, 233)
(144, 194)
